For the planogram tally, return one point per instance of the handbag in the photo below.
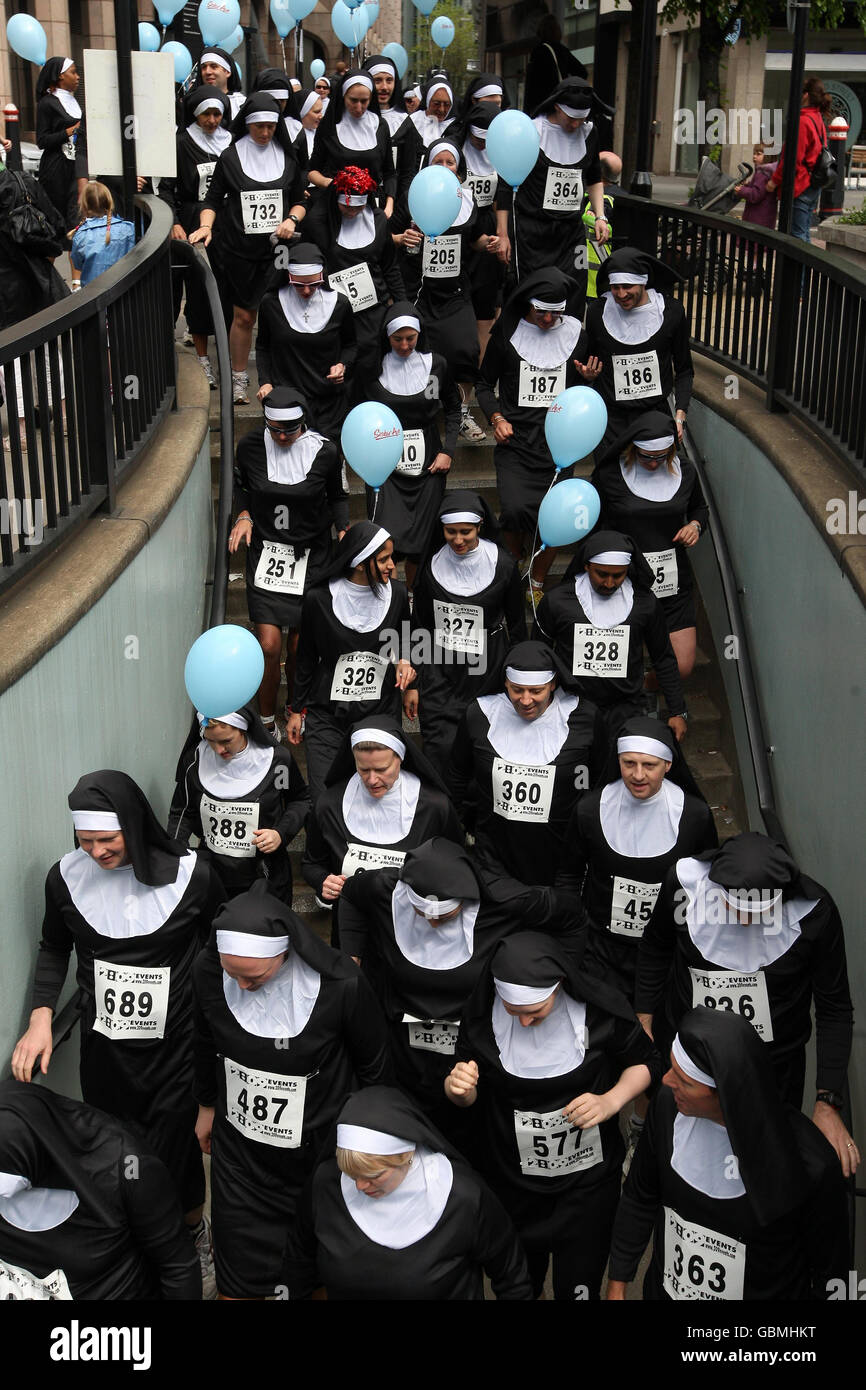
(27, 224)
(824, 168)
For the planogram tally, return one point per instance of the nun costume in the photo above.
(424, 1227)
(226, 798)
(747, 1206)
(136, 923)
(406, 146)
(552, 1046)
(363, 141)
(284, 1028)
(73, 1225)
(64, 156)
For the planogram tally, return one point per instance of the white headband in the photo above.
(352, 200)
(519, 677)
(362, 81)
(479, 131)
(67, 64)
(383, 67)
(402, 321)
(214, 58)
(685, 1063)
(576, 113)
(310, 103)
(493, 89)
(413, 92)
(286, 412)
(371, 1141)
(610, 557)
(375, 544)
(663, 442)
(446, 145)
(743, 900)
(235, 720)
(209, 104)
(95, 820)
(439, 87)
(522, 994)
(449, 518)
(550, 308)
(626, 277)
(379, 736)
(636, 743)
(431, 907)
(241, 943)
(278, 93)
(261, 118)
(305, 268)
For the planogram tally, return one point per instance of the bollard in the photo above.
(833, 198)
(13, 133)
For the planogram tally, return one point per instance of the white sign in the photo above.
(265, 1106)
(432, 1034)
(261, 210)
(549, 1147)
(563, 191)
(131, 1002)
(153, 100)
(600, 651)
(483, 188)
(205, 174)
(522, 792)
(631, 906)
(539, 385)
(280, 570)
(20, 1286)
(356, 283)
(359, 676)
(414, 453)
(459, 627)
(360, 859)
(745, 995)
(663, 564)
(441, 257)
(700, 1263)
(635, 375)
(228, 826)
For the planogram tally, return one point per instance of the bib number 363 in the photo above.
(700, 1263)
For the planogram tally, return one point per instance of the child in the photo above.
(100, 240)
(761, 204)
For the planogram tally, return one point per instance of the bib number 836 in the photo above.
(745, 1008)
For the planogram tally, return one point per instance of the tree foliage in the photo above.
(424, 54)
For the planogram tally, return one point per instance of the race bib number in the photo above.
(549, 1147)
(280, 570)
(745, 995)
(262, 210)
(636, 375)
(130, 1002)
(483, 188)
(700, 1263)
(360, 859)
(563, 191)
(432, 1035)
(20, 1286)
(522, 792)
(356, 284)
(414, 453)
(459, 627)
(538, 385)
(600, 651)
(359, 676)
(228, 826)
(205, 174)
(264, 1106)
(663, 564)
(631, 907)
(441, 257)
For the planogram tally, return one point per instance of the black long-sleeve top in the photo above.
(622, 379)
(285, 357)
(186, 192)
(228, 183)
(652, 525)
(324, 641)
(310, 505)
(379, 256)
(501, 368)
(330, 155)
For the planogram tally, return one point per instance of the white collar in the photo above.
(654, 485)
(211, 142)
(428, 127)
(477, 161)
(533, 742)
(471, 573)
(68, 102)
(238, 775)
(29, 1208)
(633, 325)
(394, 120)
(114, 903)
(567, 147)
(716, 932)
(291, 465)
(356, 606)
(443, 947)
(281, 1007)
(261, 163)
(358, 133)
(357, 232)
(381, 820)
(552, 1047)
(467, 205)
(704, 1158)
(410, 1212)
(406, 376)
(640, 829)
(601, 611)
(550, 348)
(307, 315)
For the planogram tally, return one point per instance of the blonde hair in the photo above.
(360, 1165)
(631, 457)
(96, 201)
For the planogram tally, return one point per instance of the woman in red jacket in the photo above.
(811, 137)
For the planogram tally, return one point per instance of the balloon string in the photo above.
(375, 502)
(514, 224)
(283, 51)
(535, 553)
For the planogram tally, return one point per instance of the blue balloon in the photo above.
(568, 512)
(442, 31)
(397, 53)
(217, 19)
(182, 59)
(372, 8)
(148, 38)
(434, 199)
(512, 146)
(224, 669)
(372, 440)
(26, 37)
(317, 69)
(425, 6)
(234, 40)
(342, 25)
(284, 20)
(301, 8)
(574, 423)
(168, 9)
(353, 4)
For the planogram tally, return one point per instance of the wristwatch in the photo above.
(832, 1098)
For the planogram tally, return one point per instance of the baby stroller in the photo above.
(699, 256)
